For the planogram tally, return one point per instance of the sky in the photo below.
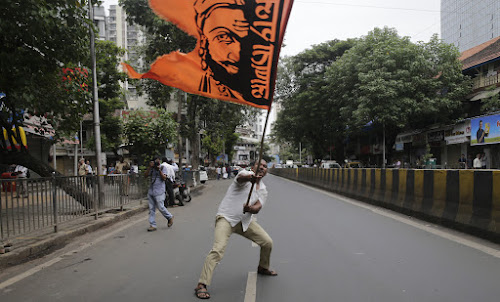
(316, 21)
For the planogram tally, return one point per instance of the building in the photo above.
(129, 37)
(467, 23)
(447, 142)
(101, 23)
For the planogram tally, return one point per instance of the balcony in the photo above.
(481, 81)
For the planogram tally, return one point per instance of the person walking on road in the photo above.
(156, 193)
(234, 216)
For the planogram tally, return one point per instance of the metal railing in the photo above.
(27, 205)
(484, 81)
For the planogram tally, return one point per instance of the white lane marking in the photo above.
(49, 263)
(251, 291)
(384, 212)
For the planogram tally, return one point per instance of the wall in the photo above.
(468, 200)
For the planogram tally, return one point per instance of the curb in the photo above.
(58, 240)
(55, 241)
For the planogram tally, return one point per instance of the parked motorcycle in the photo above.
(181, 191)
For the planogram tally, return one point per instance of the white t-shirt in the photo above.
(134, 169)
(477, 163)
(23, 170)
(236, 196)
(170, 171)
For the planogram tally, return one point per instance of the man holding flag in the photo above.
(236, 216)
(235, 60)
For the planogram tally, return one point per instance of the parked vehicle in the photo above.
(330, 165)
(353, 164)
(181, 191)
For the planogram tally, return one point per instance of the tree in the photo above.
(110, 94)
(396, 84)
(310, 115)
(42, 46)
(492, 102)
(149, 132)
(219, 121)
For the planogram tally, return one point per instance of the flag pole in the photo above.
(260, 155)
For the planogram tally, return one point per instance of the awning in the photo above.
(485, 94)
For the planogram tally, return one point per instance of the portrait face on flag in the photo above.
(235, 58)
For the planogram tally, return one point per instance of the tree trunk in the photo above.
(44, 170)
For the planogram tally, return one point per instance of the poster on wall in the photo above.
(485, 130)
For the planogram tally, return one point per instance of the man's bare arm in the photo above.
(253, 209)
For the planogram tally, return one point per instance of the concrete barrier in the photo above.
(468, 200)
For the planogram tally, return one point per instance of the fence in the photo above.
(27, 205)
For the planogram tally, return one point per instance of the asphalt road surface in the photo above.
(326, 248)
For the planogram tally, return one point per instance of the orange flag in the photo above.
(236, 55)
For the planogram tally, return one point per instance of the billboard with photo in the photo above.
(485, 130)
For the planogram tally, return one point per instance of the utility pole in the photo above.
(179, 120)
(300, 152)
(97, 127)
(383, 146)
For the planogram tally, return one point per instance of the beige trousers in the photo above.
(223, 231)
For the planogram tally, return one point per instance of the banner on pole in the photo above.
(236, 55)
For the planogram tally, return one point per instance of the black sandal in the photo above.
(202, 293)
(266, 272)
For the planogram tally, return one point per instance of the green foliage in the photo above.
(219, 120)
(38, 39)
(492, 103)
(389, 80)
(108, 75)
(149, 132)
(330, 92)
(110, 94)
(309, 114)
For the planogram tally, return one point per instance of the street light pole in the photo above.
(97, 127)
(383, 146)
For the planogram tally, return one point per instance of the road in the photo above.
(326, 248)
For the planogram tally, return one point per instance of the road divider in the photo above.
(467, 200)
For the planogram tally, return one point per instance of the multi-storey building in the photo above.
(127, 36)
(100, 22)
(467, 23)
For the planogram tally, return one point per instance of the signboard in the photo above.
(404, 138)
(460, 133)
(435, 136)
(485, 130)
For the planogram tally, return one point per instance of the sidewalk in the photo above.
(38, 243)
(42, 242)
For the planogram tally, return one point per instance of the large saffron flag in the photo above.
(236, 55)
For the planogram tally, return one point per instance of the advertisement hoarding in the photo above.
(485, 130)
